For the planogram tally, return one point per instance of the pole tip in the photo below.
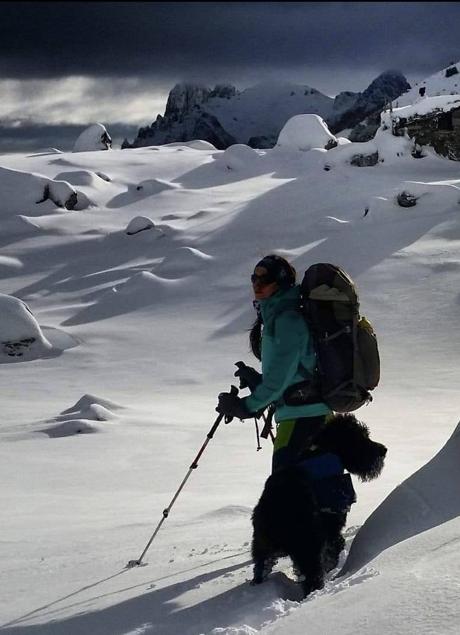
(135, 563)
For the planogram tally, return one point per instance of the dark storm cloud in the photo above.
(169, 40)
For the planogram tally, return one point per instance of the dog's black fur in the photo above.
(287, 520)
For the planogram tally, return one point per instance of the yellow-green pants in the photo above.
(293, 436)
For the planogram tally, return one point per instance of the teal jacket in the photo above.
(286, 347)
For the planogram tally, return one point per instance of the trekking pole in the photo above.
(194, 465)
(267, 429)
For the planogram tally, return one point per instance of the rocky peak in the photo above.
(183, 98)
(386, 87)
(223, 91)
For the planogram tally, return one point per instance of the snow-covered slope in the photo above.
(95, 441)
(443, 82)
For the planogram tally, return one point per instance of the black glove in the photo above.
(232, 406)
(249, 377)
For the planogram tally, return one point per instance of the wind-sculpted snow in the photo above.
(183, 261)
(142, 289)
(88, 415)
(427, 499)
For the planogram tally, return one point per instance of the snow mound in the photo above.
(80, 177)
(426, 198)
(139, 224)
(34, 194)
(155, 186)
(69, 429)
(88, 400)
(196, 144)
(21, 337)
(361, 154)
(81, 418)
(237, 157)
(428, 498)
(95, 137)
(183, 261)
(304, 132)
(200, 144)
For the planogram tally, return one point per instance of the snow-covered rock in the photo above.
(21, 337)
(237, 157)
(139, 224)
(155, 186)
(79, 177)
(24, 192)
(304, 132)
(95, 137)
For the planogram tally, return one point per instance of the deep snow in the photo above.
(96, 439)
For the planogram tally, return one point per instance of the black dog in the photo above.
(303, 508)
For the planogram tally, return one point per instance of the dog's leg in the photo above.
(334, 541)
(306, 559)
(263, 559)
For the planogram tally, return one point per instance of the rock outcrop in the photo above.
(185, 119)
(363, 116)
(94, 137)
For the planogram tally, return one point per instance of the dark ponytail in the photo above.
(255, 338)
(255, 333)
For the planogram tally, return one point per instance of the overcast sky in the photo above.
(64, 65)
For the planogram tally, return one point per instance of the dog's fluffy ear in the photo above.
(349, 439)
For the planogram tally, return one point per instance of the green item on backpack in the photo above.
(348, 362)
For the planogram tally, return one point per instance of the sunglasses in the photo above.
(264, 279)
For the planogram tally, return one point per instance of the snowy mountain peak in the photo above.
(256, 115)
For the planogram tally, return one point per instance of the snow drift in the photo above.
(428, 498)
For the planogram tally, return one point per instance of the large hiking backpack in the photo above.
(348, 363)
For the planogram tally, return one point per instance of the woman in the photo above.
(280, 338)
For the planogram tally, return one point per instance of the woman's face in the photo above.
(261, 283)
